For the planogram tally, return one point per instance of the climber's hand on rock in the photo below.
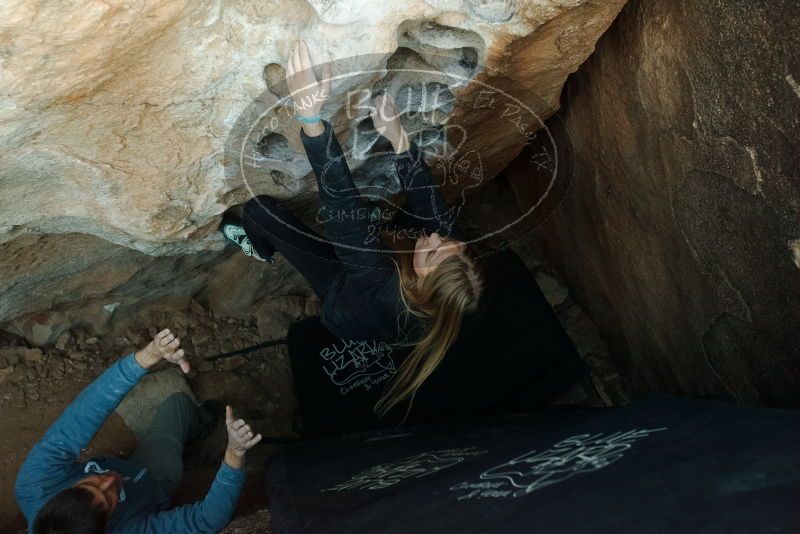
(307, 92)
(165, 346)
(386, 118)
(240, 439)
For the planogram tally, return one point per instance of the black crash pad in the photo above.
(512, 355)
(663, 464)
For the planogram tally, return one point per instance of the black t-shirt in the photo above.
(513, 354)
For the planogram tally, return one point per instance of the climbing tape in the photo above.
(308, 120)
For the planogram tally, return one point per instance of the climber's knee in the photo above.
(257, 207)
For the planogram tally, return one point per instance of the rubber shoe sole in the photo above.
(236, 235)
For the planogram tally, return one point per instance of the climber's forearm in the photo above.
(313, 129)
(342, 210)
(337, 190)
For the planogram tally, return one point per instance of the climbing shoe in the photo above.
(234, 233)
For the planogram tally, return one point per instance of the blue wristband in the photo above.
(308, 120)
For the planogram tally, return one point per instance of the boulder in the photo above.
(116, 122)
(679, 231)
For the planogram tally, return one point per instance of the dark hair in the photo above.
(71, 511)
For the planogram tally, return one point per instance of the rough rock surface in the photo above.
(51, 283)
(114, 118)
(680, 229)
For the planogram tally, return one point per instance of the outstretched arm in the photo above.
(209, 515)
(425, 207)
(50, 459)
(345, 214)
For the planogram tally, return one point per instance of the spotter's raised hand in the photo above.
(165, 346)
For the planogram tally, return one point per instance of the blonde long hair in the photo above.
(440, 299)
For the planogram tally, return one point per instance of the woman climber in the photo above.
(414, 294)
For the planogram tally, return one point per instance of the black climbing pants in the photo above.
(177, 422)
(271, 226)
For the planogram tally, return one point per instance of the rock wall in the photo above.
(681, 225)
(114, 118)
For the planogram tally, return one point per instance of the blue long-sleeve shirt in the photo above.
(52, 466)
